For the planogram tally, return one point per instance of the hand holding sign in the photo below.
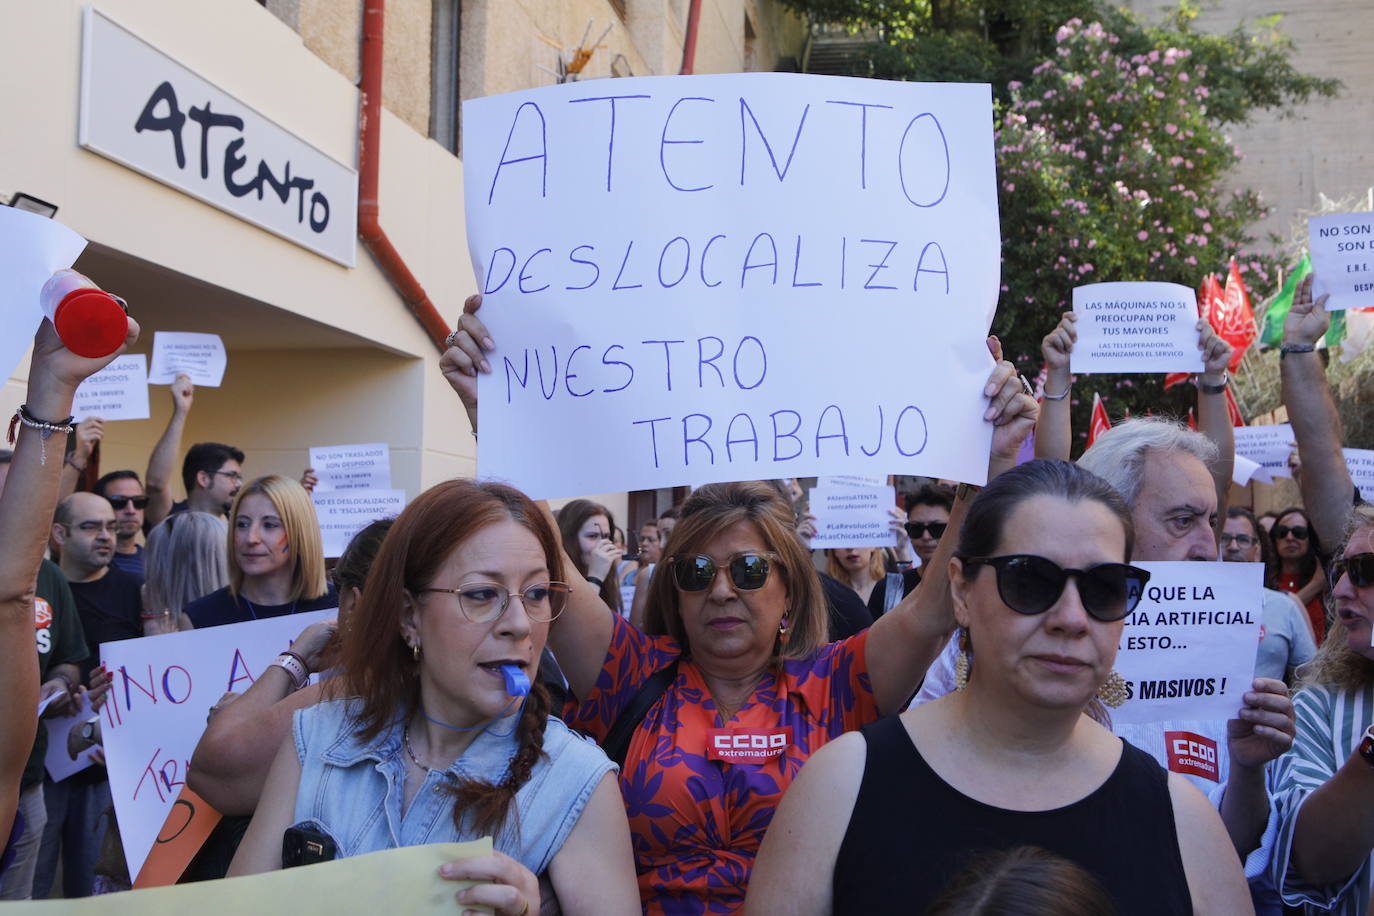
(201, 357)
(1307, 321)
(1265, 726)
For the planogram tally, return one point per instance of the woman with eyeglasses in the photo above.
(587, 531)
(715, 705)
(1286, 639)
(276, 558)
(1297, 565)
(884, 819)
(447, 734)
(1324, 789)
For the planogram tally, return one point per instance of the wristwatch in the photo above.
(1218, 388)
(1366, 748)
(88, 729)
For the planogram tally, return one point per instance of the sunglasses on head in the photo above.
(1282, 531)
(1360, 567)
(119, 502)
(1031, 585)
(917, 530)
(748, 571)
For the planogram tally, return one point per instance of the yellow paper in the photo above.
(394, 881)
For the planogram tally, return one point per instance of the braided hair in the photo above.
(483, 807)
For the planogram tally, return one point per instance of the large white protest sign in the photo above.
(1188, 649)
(1268, 446)
(32, 249)
(1360, 462)
(117, 392)
(352, 467)
(1135, 327)
(853, 517)
(1342, 246)
(201, 356)
(163, 688)
(343, 513)
(675, 269)
(57, 761)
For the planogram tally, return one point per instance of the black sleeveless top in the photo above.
(911, 833)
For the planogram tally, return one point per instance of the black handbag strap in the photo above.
(617, 741)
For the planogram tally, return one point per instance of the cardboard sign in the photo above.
(1136, 327)
(343, 513)
(186, 829)
(201, 356)
(853, 517)
(1268, 446)
(32, 249)
(117, 392)
(1360, 462)
(163, 688)
(1188, 649)
(672, 265)
(352, 467)
(1342, 247)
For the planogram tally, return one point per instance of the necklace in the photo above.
(253, 611)
(405, 737)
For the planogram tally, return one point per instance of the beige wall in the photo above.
(289, 399)
(1329, 146)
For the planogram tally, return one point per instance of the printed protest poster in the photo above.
(343, 513)
(1360, 462)
(673, 268)
(853, 517)
(1135, 327)
(1188, 649)
(352, 467)
(1342, 246)
(851, 480)
(1243, 470)
(201, 356)
(117, 392)
(58, 762)
(163, 687)
(1268, 446)
(32, 249)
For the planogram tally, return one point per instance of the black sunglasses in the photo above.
(1360, 567)
(119, 502)
(1031, 585)
(915, 530)
(749, 571)
(1298, 531)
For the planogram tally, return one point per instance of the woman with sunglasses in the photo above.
(447, 734)
(1324, 858)
(1016, 756)
(1297, 567)
(718, 702)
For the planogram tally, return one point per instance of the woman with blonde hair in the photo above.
(184, 560)
(276, 558)
(1324, 788)
(860, 568)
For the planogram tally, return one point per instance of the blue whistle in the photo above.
(517, 683)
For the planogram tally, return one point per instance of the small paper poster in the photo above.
(201, 356)
(853, 517)
(1136, 327)
(343, 513)
(352, 467)
(117, 392)
(1342, 246)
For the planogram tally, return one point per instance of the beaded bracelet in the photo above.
(45, 429)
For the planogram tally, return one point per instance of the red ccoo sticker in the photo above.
(1192, 755)
(747, 745)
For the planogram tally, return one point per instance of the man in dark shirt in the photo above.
(125, 492)
(109, 607)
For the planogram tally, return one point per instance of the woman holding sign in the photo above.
(1015, 756)
(717, 704)
(29, 480)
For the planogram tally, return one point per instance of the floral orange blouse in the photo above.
(700, 792)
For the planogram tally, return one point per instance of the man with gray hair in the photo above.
(1160, 468)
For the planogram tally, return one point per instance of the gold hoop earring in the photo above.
(415, 650)
(1114, 690)
(963, 662)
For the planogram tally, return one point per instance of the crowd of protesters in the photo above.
(927, 728)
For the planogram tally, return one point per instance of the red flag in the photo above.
(1208, 293)
(1237, 419)
(1192, 420)
(1233, 317)
(1175, 378)
(1099, 423)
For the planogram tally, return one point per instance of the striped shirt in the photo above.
(1330, 725)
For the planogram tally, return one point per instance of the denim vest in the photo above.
(353, 791)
